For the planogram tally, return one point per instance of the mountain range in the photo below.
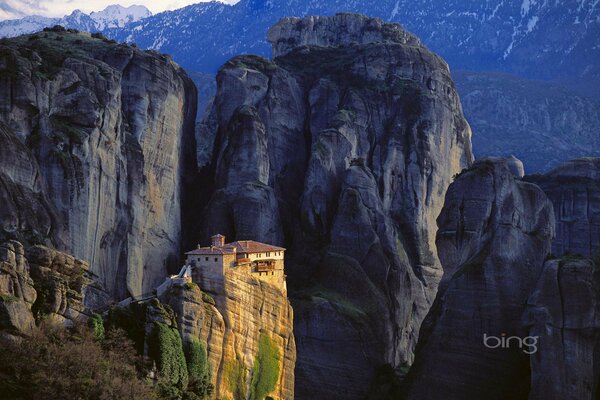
(543, 44)
(114, 16)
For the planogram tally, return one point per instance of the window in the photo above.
(268, 254)
(216, 259)
(205, 260)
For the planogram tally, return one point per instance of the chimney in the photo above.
(218, 240)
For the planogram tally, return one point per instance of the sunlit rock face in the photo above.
(96, 140)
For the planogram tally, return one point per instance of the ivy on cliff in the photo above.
(198, 369)
(166, 349)
(266, 368)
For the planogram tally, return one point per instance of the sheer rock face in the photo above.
(574, 189)
(494, 233)
(357, 137)
(109, 130)
(230, 317)
(564, 312)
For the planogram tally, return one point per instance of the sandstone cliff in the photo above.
(494, 233)
(574, 189)
(343, 144)
(108, 131)
(244, 326)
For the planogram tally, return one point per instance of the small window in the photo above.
(216, 259)
(268, 254)
(205, 260)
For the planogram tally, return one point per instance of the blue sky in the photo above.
(11, 9)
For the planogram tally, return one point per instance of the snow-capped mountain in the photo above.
(542, 39)
(114, 16)
(16, 27)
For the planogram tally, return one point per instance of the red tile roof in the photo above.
(250, 246)
(241, 246)
(227, 249)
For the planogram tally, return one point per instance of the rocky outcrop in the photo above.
(355, 127)
(109, 134)
(231, 318)
(290, 33)
(43, 284)
(574, 189)
(17, 293)
(494, 233)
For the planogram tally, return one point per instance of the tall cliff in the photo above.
(506, 323)
(341, 149)
(574, 189)
(96, 142)
(247, 327)
(243, 326)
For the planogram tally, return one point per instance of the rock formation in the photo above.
(43, 284)
(574, 189)
(17, 293)
(505, 324)
(564, 312)
(230, 318)
(355, 112)
(109, 137)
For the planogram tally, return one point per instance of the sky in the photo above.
(12, 9)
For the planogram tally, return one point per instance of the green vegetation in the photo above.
(166, 348)
(131, 321)
(199, 372)
(96, 324)
(266, 369)
(190, 286)
(235, 378)
(71, 364)
(207, 298)
(8, 298)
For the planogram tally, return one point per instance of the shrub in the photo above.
(190, 286)
(207, 298)
(59, 364)
(98, 35)
(131, 321)
(166, 349)
(198, 370)
(55, 28)
(96, 324)
(266, 368)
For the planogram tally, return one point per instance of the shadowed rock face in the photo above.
(564, 312)
(109, 132)
(494, 233)
(356, 143)
(574, 189)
